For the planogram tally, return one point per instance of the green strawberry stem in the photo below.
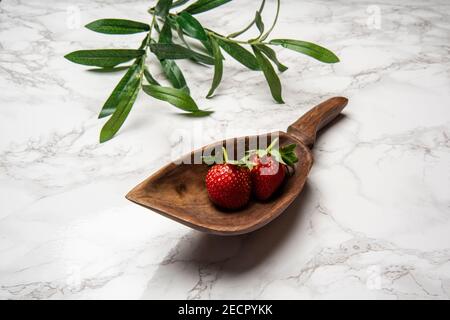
(269, 148)
(225, 155)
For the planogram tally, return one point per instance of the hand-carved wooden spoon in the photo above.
(178, 190)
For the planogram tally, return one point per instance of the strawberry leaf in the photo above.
(277, 155)
(288, 154)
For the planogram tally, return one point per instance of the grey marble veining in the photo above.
(372, 222)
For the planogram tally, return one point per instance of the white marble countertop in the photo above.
(373, 221)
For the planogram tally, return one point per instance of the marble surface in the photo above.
(373, 221)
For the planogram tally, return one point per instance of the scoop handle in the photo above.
(305, 129)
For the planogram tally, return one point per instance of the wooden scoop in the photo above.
(178, 190)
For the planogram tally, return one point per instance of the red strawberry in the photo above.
(228, 185)
(269, 168)
(267, 176)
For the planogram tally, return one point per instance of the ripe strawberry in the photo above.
(228, 185)
(269, 169)
(267, 176)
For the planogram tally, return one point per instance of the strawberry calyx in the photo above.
(285, 155)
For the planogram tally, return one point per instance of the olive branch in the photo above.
(166, 40)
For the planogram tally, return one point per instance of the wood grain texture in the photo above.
(178, 190)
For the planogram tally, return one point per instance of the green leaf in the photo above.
(144, 42)
(103, 57)
(191, 26)
(218, 67)
(165, 36)
(170, 68)
(270, 74)
(238, 33)
(204, 5)
(259, 23)
(174, 75)
(162, 8)
(193, 29)
(109, 69)
(148, 76)
(179, 3)
(124, 105)
(176, 97)
(270, 53)
(313, 50)
(181, 35)
(175, 51)
(120, 91)
(199, 113)
(180, 32)
(175, 25)
(288, 148)
(288, 154)
(117, 26)
(240, 54)
(170, 51)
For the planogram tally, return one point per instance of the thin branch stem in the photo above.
(219, 36)
(152, 25)
(236, 34)
(233, 35)
(264, 37)
(152, 11)
(148, 37)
